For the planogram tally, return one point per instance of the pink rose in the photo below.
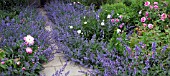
(147, 3)
(18, 63)
(155, 3)
(121, 25)
(150, 26)
(2, 62)
(23, 68)
(117, 20)
(163, 16)
(120, 16)
(163, 19)
(112, 20)
(169, 16)
(146, 14)
(151, 7)
(144, 24)
(29, 40)
(144, 45)
(143, 19)
(156, 6)
(29, 50)
(149, 19)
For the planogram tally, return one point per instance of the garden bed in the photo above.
(123, 38)
(116, 39)
(24, 44)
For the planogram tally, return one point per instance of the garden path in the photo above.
(58, 62)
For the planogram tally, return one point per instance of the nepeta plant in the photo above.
(98, 44)
(25, 43)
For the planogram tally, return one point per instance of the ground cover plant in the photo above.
(24, 44)
(129, 37)
(109, 42)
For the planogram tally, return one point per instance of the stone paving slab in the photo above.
(54, 65)
(55, 62)
(72, 68)
(48, 71)
(59, 55)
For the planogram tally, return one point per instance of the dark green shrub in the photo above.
(8, 4)
(97, 3)
(119, 9)
(12, 13)
(113, 1)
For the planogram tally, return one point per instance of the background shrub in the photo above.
(12, 13)
(9, 4)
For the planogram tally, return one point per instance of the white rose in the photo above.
(78, 31)
(118, 31)
(29, 40)
(84, 17)
(102, 23)
(85, 22)
(108, 16)
(71, 27)
(140, 12)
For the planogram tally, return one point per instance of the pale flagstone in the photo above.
(55, 47)
(55, 62)
(48, 71)
(63, 61)
(48, 28)
(85, 69)
(59, 55)
(72, 68)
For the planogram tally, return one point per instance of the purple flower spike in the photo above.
(153, 46)
(164, 48)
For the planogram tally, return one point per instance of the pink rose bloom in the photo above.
(149, 19)
(163, 19)
(144, 24)
(147, 3)
(29, 50)
(29, 40)
(144, 45)
(18, 63)
(151, 7)
(23, 68)
(120, 16)
(146, 14)
(143, 19)
(121, 25)
(2, 62)
(150, 26)
(169, 16)
(155, 3)
(156, 6)
(113, 20)
(163, 16)
(117, 20)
